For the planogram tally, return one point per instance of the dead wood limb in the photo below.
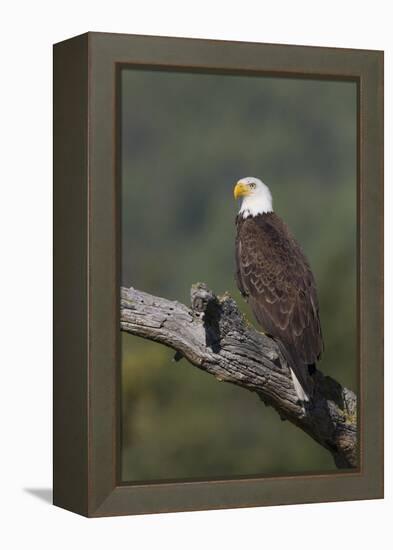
(214, 336)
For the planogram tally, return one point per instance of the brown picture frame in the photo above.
(86, 273)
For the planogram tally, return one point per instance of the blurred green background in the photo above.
(186, 138)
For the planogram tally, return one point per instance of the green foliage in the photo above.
(186, 139)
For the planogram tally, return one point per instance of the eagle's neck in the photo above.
(253, 205)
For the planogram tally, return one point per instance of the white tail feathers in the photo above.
(299, 389)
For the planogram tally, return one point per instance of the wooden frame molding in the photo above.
(87, 282)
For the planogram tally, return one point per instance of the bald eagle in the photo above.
(275, 278)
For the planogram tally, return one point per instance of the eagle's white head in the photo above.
(257, 198)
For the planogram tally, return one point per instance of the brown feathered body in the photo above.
(275, 278)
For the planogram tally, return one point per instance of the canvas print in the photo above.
(238, 274)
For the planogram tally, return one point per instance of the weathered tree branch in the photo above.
(214, 336)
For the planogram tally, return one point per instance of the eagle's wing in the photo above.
(274, 276)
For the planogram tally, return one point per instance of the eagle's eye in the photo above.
(253, 185)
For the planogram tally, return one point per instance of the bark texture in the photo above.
(215, 337)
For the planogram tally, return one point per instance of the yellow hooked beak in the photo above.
(241, 190)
